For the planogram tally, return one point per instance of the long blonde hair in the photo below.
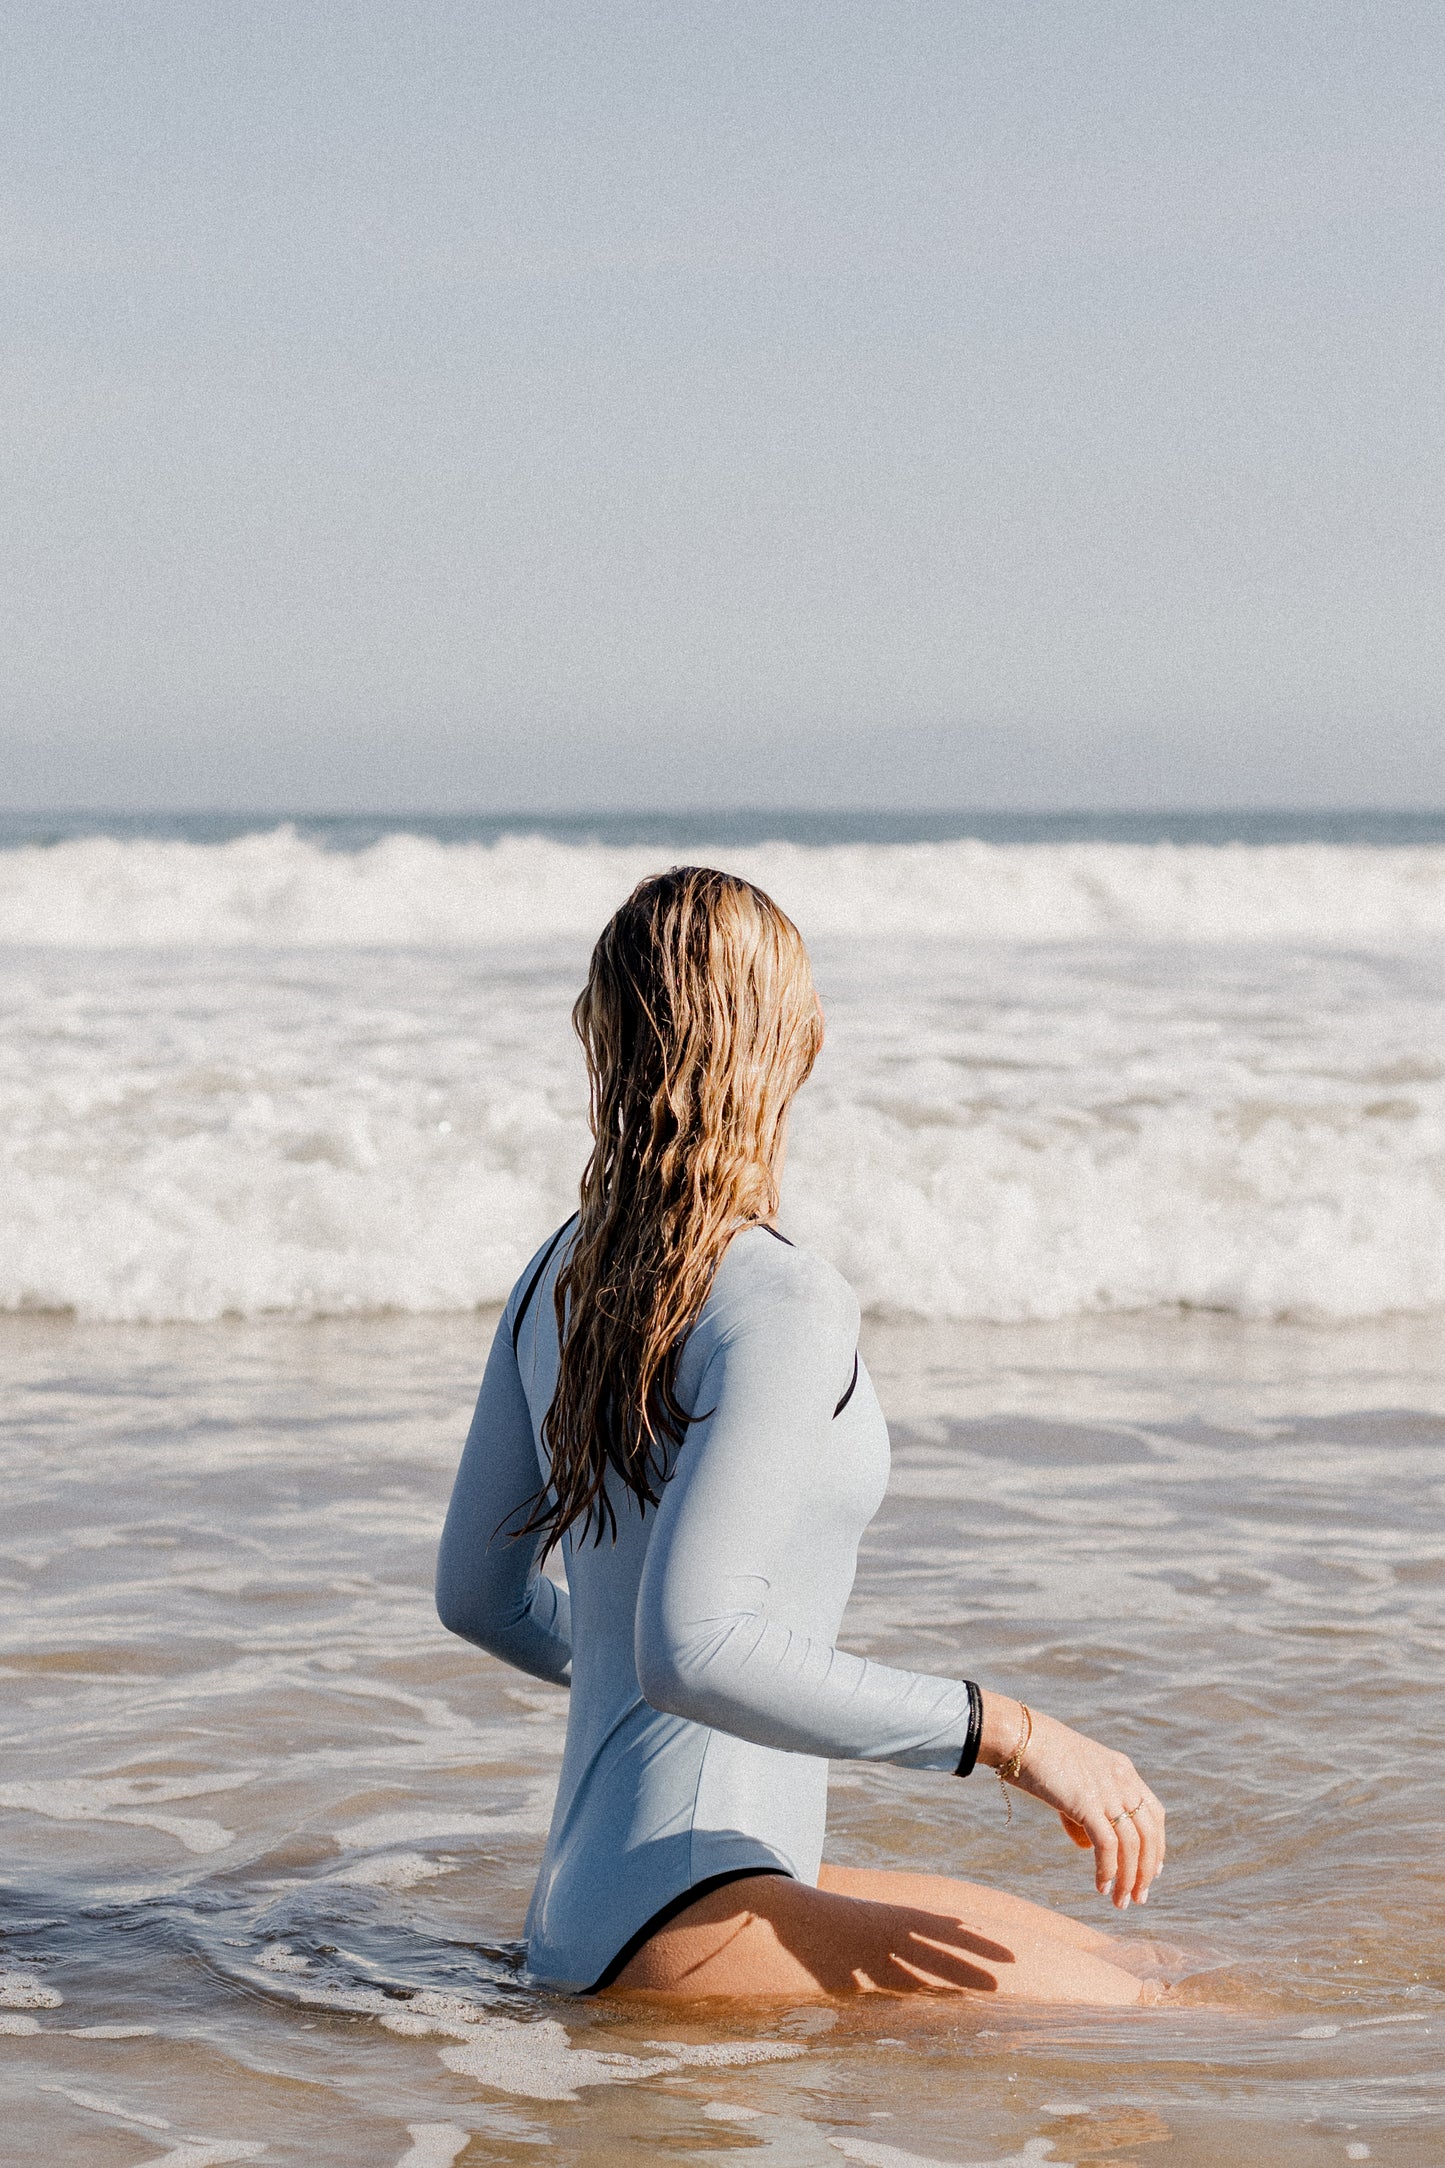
(699, 1023)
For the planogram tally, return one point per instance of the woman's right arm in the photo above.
(490, 1588)
(714, 1639)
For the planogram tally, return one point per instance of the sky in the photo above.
(552, 406)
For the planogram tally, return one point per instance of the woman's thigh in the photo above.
(993, 1911)
(767, 1937)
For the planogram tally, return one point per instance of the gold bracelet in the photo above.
(1010, 1770)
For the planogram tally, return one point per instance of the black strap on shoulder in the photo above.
(853, 1381)
(535, 1282)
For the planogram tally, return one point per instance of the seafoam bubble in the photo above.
(279, 1957)
(15, 2022)
(111, 2032)
(132, 1802)
(535, 2060)
(433, 2145)
(538, 2061)
(530, 1817)
(727, 2054)
(25, 1991)
(432, 2011)
(106, 2104)
(1035, 2151)
(391, 1870)
(205, 2153)
(779, 2136)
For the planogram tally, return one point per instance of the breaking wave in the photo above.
(281, 889)
(264, 1076)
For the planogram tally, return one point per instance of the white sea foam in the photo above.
(1036, 2153)
(112, 2032)
(538, 2061)
(206, 2153)
(104, 2104)
(281, 889)
(391, 1870)
(130, 1801)
(434, 2145)
(24, 1991)
(410, 1827)
(1058, 1079)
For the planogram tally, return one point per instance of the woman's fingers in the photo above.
(1105, 1840)
(1126, 1874)
(1103, 1803)
(1149, 1820)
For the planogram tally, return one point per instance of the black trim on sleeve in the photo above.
(968, 1759)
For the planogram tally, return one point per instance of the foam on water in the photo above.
(22, 1991)
(283, 889)
(433, 2145)
(127, 1800)
(997, 1129)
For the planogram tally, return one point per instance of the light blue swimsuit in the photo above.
(707, 1690)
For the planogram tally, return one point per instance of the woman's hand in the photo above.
(1098, 1795)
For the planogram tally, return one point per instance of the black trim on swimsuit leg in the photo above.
(670, 1911)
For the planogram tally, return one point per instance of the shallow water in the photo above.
(269, 1832)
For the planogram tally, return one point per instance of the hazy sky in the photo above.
(560, 405)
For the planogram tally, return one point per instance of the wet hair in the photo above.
(699, 1022)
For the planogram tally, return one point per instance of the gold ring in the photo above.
(1116, 1819)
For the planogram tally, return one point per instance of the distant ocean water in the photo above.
(1075, 1063)
(1374, 827)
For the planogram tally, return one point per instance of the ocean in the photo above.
(313, 1069)
(1130, 1133)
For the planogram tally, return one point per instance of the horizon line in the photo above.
(1215, 810)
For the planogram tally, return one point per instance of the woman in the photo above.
(675, 1397)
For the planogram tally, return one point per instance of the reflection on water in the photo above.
(269, 1832)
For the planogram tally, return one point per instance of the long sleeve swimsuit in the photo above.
(707, 1692)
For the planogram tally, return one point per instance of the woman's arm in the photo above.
(713, 1643)
(747, 1495)
(489, 1588)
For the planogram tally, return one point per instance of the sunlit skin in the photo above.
(866, 1932)
(859, 1933)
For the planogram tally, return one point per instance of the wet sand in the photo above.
(269, 1833)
